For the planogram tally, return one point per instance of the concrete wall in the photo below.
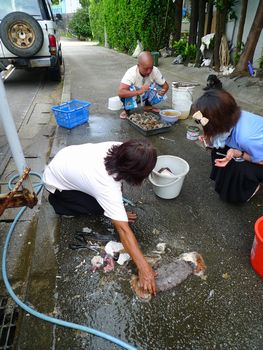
(232, 28)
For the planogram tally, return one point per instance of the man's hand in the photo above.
(164, 89)
(147, 279)
(161, 92)
(144, 88)
(131, 216)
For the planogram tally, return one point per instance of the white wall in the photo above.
(251, 11)
(72, 5)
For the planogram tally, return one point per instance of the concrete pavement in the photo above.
(222, 311)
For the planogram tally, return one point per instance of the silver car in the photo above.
(29, 37)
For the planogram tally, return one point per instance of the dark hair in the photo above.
(131, 161)
(220, 107)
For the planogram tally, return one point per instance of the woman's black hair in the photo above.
(220, 107)
(131, 161)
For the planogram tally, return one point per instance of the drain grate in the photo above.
(8, 319)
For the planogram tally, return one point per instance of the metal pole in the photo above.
(12, 136)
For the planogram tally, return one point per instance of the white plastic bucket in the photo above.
(172, 188)
(114, 103)
(182, 98)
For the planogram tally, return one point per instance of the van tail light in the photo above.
(52, 44)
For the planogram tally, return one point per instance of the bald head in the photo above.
(145, 63)
(145, 57)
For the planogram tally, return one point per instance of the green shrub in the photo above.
(237, 53)
(261, 62)
(190, 52)
(80, 24)
(126, 21)
(187, 51)
(97, 19)
(180, 46)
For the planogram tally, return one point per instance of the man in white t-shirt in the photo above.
(87, 179)
(138, 79)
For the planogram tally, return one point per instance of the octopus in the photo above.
(171, 275)
(147, 121)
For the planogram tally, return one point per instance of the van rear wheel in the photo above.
(55, 73)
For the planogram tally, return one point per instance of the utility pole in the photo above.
(15, 198)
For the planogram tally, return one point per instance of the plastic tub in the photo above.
(256, 256)
(163, 186)
(114, 103)
(170, 115)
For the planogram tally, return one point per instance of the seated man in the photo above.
(138, 80)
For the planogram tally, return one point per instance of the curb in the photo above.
(43, 268)
(66, 93)
(59, 139)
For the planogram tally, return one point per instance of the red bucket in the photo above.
(256, 256)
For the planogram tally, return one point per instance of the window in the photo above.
(29, 6)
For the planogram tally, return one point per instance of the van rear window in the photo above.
(29, 6)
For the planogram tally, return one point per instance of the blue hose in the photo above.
(39, 314)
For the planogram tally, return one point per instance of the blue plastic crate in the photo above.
(71, 114)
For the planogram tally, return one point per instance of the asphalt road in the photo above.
(219, 312)
(22, 88)
(222, 311)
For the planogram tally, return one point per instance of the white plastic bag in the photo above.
(116, 247)
(138, 50)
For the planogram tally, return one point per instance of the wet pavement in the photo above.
(221, 311)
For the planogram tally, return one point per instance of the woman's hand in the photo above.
(222, 162)
(205, 141)
(146, 273)
(131, 216)
(147, 279)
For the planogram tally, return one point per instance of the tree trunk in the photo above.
(242, 22)
(209, 17)
(193, 22)
(241, 26)
(201, 28)
(176, 35)
(251, 42)
(220, 30)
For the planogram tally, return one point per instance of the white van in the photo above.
(29, 37)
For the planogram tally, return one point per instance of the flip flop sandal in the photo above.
(123, 115)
